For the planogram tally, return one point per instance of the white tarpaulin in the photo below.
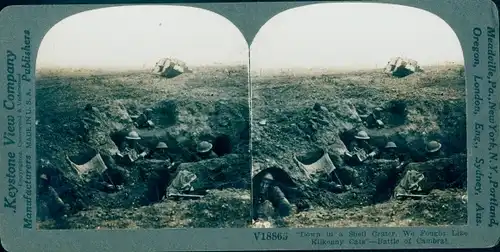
(182, 182)
(94, 164)
(315, 162)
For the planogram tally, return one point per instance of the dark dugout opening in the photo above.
(222, 145)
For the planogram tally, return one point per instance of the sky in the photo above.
(135, 37)
(330, 35)
(353, 36)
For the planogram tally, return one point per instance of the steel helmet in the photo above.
(161, 145)
(204, 147)
(133, 135)
(362, 135)
(390, 145)
(433, 146)
(268, 176)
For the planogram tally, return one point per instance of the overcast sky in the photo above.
(137, 36)
(353, 36)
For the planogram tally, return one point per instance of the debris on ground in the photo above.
(401, 67)
(170, 68)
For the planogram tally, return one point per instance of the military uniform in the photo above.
(390, 152)
(55, 204)
(157, 184)
(161, 152)
(131, 149)
(360, 149)
(361, 143)
(270, 191)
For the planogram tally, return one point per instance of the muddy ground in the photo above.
(285, 124)
(198, 106)
(212, 102)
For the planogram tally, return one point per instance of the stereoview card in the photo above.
(250, 126)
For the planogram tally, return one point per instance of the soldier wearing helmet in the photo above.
(161, 152)
(204, 150)
(433, 150)
(390, 151)
(55, 205)
(132, 148)
(270, 191)
(360, 147)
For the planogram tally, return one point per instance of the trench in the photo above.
(444, 121)
(181, 124)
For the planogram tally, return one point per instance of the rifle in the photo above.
(410, 195)
(402, 165)
(188, 196)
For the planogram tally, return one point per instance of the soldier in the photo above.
(269, 190)
(132, 148)
(157, 184)
(329, 184)
(433, 150)
(145, 119)
(55, 204)
(390, 151)
(205, 151)
(360, 149)
(90, 119)
(161, 152)
(114, 175)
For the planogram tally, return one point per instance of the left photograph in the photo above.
(142, 121)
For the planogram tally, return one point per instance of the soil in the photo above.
(301, 113)
(212, 104)
(209, 104)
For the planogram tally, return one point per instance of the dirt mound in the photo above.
(219, 209)
(439, 208)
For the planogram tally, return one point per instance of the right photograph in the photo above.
(358, 121)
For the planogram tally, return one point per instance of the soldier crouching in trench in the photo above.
(58, 189)
(161, 152)
(434, 151)
(56, 206)
(269, 190)
(360, 150)
(131, 148)
(114, 177)
(205, 151)
(158, 183)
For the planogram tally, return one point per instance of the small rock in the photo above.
(464, 199)
(317, 106)
(380, 123)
